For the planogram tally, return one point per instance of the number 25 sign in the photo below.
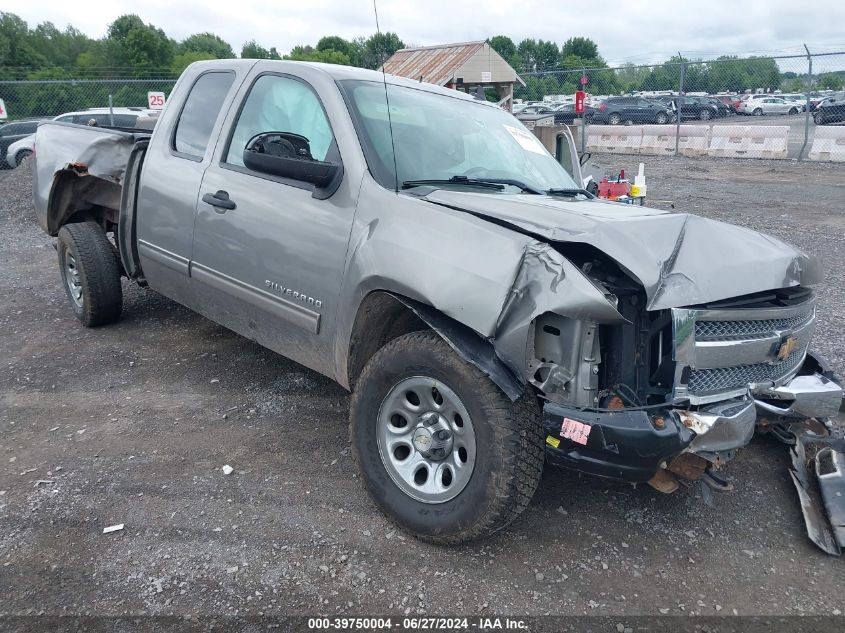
(155, 100)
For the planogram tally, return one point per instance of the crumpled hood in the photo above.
(680, 259)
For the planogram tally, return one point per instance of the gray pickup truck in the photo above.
(426, 251)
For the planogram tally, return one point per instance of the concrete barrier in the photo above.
(748, 141)
(614, 139)
(828, 144)
(659, 140)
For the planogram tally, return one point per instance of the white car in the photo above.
(758, 105)
(122, 117)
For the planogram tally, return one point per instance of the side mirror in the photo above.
(287, 155)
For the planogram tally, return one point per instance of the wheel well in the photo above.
(381, 318)
(77, 197)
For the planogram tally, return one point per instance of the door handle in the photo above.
(219, 200)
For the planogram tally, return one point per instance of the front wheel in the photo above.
(758, 112)
(614, 119)
(818, 119)
(442, 451)
(90, 273)
(661, 118)
(793, 111)
(705, 115)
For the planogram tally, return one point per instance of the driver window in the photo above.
(281, 104)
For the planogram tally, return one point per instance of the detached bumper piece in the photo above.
(814, 396)
(823, 496)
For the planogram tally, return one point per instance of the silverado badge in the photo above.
(787, 347)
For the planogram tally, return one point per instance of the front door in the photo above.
(270, 257)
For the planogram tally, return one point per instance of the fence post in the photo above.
(584, 114)
(111, 110)
(679, 104)
(807, 113)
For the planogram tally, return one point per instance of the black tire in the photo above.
(85, 245)
(793, 111)
(614, 119)
(661, 118)
(758, 112)
(21, 156)
(508, 440)
(705, 115)
(818, 119)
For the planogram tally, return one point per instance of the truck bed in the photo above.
(97, 154)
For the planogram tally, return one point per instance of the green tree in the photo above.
(526, 51)
(209, 43)
(830, 81)
(582, 47)
(351, 49)
(503, 45)
(138, 48)
(379, 47)
(16, 52)
(183, 60)
(547, 54)
(252, 50)
(311, 54)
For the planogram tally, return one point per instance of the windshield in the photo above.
(438, 137)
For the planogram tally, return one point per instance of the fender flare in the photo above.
(469, 345)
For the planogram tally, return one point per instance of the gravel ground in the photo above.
(132, 423)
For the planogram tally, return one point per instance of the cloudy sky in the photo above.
(636, 31)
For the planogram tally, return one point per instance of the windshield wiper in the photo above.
(454, 180)
(514, 183)
(570, 192)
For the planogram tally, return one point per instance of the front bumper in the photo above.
(632, 444)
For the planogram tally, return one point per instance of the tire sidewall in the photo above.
(472, 503)
(22, 156)
(64, 246)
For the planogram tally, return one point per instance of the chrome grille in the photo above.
(747, 329)
(718, 353)
(705, 381)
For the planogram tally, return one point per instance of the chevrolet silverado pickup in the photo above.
(425, 250)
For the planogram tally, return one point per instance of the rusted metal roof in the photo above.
(436, 64)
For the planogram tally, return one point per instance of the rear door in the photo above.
(178, 156)
(271, 264)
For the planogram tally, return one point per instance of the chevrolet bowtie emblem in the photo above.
(787, 347)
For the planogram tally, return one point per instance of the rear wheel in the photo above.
(705, 115)
(614, 119)
(758, 112)
(661, 118)
(818, 119)
(793, 111)
(90, 273)
(21, 156)
(442, 451)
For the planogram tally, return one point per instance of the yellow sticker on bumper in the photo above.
(552, 441)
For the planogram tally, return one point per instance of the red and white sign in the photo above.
(3, 114)
(584, 80)
(576, 431)
(579, 101)
(155, 100)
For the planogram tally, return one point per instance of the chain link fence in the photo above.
(50, 98)
(768, 91)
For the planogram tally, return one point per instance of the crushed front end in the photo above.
(672, 394)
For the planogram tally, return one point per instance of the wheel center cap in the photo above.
(432, 439)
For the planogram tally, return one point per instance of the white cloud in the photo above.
(635, 31)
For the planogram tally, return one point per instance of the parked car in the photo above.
(536, 109)
(10, 134)
(566, 114)
(486, 312)
(732, 101)
(831, 110)
(694, 107)
(102, 117)
(799, 100)
(616, 110)
(758, 105)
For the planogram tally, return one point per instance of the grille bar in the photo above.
(705, 381)
(725, 330)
